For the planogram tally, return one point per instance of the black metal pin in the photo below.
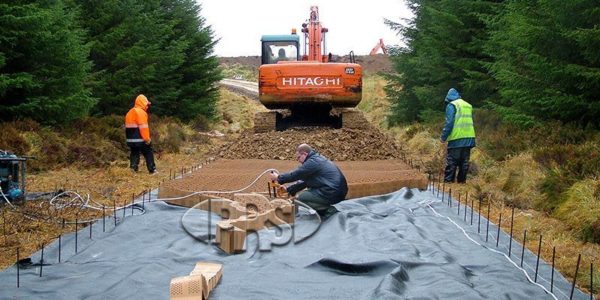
(42, 260)
(103, 218)
(443, 191)
(59, 246)
(91, 224)
(450, 197)
(591, 281)
(479, 218)
(537, 263)
(466, 207)
(499, 225)
(115, 212)
(4, 226)
(472, 208)
(575, 277)
(458, 211)
(63, 223)
(144, 199)
(132, 202)
(487, 227)
(552, 276)
(512, 218)
(18, 269)
(76, 224)
(523, 249)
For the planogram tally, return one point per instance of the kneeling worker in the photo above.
(324, 182)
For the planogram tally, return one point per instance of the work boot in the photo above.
(326, 213)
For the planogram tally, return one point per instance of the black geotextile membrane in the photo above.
(404, 245)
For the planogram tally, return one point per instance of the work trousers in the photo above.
(313, 200)
(316, 202)
(457, 158)
(134, 156)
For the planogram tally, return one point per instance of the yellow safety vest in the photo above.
(463, 121)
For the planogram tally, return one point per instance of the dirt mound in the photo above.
(336, 144)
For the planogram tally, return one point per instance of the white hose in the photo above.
(6, 199)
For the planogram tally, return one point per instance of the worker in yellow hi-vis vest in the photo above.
(459, 132)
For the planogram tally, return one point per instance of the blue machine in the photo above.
(12, 176)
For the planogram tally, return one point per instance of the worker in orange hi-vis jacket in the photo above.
(137, 133)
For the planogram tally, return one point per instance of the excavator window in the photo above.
(274, 52)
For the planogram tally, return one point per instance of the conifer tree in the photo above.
(443, 49)
(160, 48)
(43, 63)
(547, 61)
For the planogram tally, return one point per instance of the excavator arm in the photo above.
(378, 46)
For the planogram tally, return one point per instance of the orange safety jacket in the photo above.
(136, 122)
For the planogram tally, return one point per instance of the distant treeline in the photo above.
(63, 60)
(529, 60)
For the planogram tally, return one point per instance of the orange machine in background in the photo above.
(307, 89)
(379, 46)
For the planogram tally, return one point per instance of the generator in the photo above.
(12, 177)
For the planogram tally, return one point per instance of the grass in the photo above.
(551, 178)
(239, 71)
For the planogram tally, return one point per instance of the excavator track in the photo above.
(282, 120)
(354, 119)
(265, 121)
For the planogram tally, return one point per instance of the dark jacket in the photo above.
(449, 124)
(320, 175)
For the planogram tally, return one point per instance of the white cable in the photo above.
(539, 276)
(219, 192)
(506, 256)
(84, 203)
(6, 199)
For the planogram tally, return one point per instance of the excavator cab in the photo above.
(276, 48)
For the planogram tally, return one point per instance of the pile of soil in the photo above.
(336, 144)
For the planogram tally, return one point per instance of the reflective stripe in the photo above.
(131, 126)
(135, 140)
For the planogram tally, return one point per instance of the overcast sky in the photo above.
(353, 24)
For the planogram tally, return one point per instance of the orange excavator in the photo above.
(307, 89)
(379, 46)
